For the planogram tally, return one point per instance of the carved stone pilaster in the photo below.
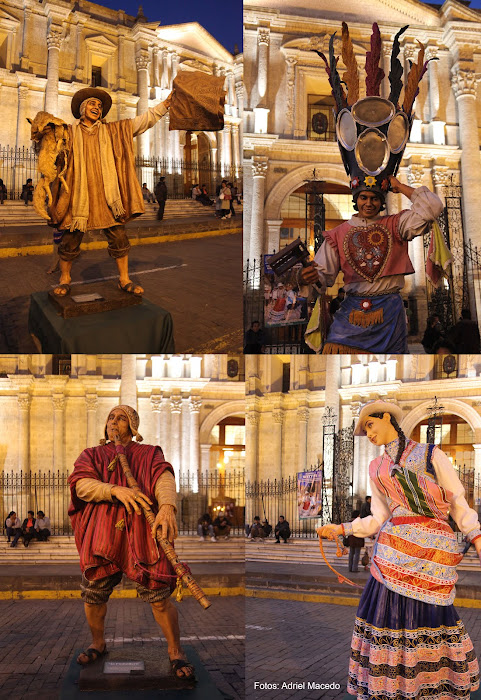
(415, 175)
(259, 166)
(142, 60)
(463, 82)
(263, 36)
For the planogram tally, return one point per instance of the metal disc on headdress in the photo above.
(372, 151)
(398, 132)
(346, 130)
(373, 111)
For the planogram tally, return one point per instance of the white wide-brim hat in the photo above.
(378, 406)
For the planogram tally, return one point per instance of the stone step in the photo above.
(62, 549)
(16, 213)
(307, 551)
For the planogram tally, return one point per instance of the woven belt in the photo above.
(375, 294)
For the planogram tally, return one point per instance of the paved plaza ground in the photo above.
(199, 281)
(39, 637)
(296, 642)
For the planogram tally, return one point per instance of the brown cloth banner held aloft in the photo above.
(198, 102)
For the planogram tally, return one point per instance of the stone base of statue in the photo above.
(92, 299)
(142, 328)
(134, 672)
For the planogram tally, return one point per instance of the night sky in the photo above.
(221, 19)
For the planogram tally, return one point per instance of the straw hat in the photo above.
(378, 406)
(84, 94)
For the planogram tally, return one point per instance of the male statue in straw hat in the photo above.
(102, 191)
(114, 538)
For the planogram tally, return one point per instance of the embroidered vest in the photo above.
(416, 551)
(371, 252)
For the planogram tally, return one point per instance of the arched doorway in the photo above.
(197, 162)
(226, 469)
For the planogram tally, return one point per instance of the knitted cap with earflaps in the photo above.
(133, 418)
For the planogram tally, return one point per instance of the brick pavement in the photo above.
(39, 637)
(295, 642)
(202, 289)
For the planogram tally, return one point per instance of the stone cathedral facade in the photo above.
(50, 50)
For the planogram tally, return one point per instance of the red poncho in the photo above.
(103, 548)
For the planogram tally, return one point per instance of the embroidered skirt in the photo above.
(405, 648)
(373, 324)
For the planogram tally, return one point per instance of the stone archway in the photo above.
(225, 410)
(286, 186)
(456, 407)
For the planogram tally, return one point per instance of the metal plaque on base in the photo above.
(92, 299)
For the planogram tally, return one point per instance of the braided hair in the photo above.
(397, 428)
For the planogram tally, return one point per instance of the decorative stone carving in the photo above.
(259, 166)
(464, 82)
(303, 414)
(440, 174)
(142, 60)
(195, 404)
(92, 402)
(278, 417)
(58, 402)
(263, 36)
(156, 403)
(253, 418)
(54, 39)
(176, 403)
(415, 175)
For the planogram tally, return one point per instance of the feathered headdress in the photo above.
(372, 132)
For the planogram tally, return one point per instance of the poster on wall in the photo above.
(309, 494)
(284, 304)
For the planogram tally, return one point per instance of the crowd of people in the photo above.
(215, 529)
(462, 338)
(262, 530)
(38, 528)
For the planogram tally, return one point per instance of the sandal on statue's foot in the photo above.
(62, 290)
(131, 288)
(182, 665)
(92, 655)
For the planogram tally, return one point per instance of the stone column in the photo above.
(195, 406)
(155, 407)
(386, 64)
(165, 435)
(259, 172)
(185, 442)
(291, 63)
(24, 432)
(464, 86)
(165, 69)
(227, 148)
(333, 374)
(91, 401)
(121, 63)
(263, 38)
(273, 235)
(477, 461)
(276, 445)
(440, 175)
(142, 63)
(236, 149)
(128, 381)
(302, 420)
(436, 124)
(54, 39)
(58, 401)
(156, 76)
(204, 460)
(252, 428)
(220, 152)
(175, 451)
(23, 127)
(24, 61)
(175, 64)
(417, 284)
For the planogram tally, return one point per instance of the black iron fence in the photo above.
(17, 164)
(273, 497)
(214, 493)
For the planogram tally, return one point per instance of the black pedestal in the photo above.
(156, 682)
(143, 328)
